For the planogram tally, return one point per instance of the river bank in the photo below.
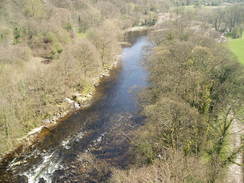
(79, 100)
(74, 103)
(51, 137)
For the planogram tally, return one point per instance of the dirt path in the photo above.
(236, 171)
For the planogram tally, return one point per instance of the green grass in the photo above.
(237, 47)
(82, 35)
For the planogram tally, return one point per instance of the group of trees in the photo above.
(229, 20)
(51, 49)
(196, 91)
(204, 2)
(226, 18)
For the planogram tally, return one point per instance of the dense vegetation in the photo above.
(51, 49)
(204, 2)
(196, 91)
(227, 19)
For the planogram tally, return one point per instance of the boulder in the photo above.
(47, 121)
(68, 100)
(22, 179)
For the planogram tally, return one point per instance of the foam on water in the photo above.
(50, 163)
(44, 170)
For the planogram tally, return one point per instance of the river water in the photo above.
(100, 130)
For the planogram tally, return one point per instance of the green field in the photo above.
(237, 47)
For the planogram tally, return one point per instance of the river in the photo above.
(100, 130)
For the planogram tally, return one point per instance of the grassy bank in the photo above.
(237, 47)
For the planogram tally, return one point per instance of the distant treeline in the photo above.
(205, 2)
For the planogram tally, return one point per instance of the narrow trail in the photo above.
(235, 170)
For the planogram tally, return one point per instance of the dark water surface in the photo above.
(93, 130)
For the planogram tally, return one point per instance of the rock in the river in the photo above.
(22, 179)
(74, 104)
(35, 131)
(68, 100)
(47, 121)
(125, 44)
(42, 180)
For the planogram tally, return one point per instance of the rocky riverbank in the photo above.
(70, 105)
(97, 129)
(77, 101)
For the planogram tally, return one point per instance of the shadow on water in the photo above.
(100, 129)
